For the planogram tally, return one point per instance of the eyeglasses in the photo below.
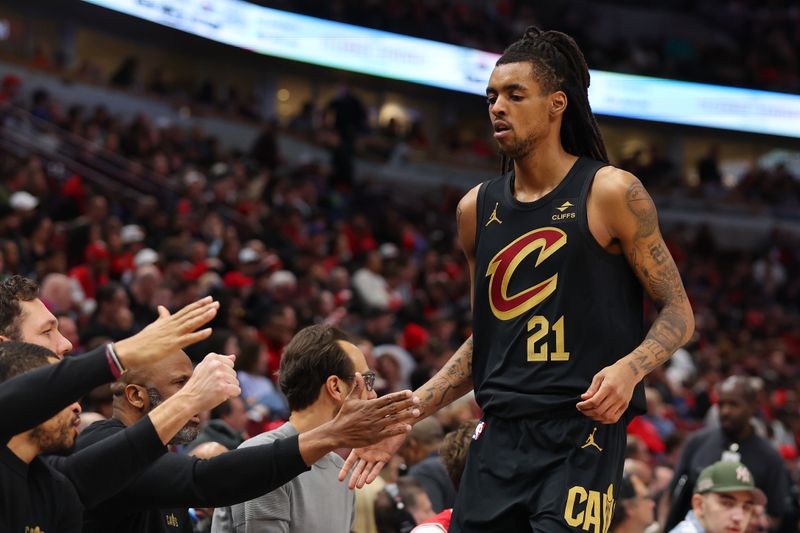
(369, 380)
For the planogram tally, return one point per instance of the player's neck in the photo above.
(539, 172)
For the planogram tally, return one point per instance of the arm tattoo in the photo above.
(459, 211)
(659, 253)
(659, 274)
(452, 381)
(641, 205)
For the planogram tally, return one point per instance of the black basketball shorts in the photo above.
(541, 476)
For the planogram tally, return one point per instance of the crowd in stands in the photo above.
(728, 42)
(282, 246)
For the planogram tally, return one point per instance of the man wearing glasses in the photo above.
(634, 510)
(345, 416)
(317, 372)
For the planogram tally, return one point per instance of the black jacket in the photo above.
(48, 494)
(157, 500)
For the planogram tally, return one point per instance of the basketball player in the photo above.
(559, 248)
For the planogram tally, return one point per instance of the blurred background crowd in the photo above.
(115, 213)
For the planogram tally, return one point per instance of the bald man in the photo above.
(157, 500)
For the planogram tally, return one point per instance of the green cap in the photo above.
(728, 476)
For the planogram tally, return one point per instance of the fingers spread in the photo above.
(202, 302)
(191, 338)
(357, 471)
(375, 471)
(199, 317)
(348, 464)
(362, 477)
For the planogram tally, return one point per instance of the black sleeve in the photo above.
(69, 509)
(31, 398)
(120, 458)
(684, 464)
(681, 486)
(777, 492)
(239, 475)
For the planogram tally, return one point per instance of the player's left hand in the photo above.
(609, 394)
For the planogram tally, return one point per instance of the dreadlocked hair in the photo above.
(558, 65)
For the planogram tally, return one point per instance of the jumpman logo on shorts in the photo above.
(590, 441)
(493, 217)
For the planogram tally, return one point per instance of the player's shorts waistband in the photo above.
(564, 412)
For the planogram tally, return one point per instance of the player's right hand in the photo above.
(213, 381)
(366, 463)
(167, 334)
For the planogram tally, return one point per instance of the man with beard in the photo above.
(734, 440)
(47, 496)
(157, 500)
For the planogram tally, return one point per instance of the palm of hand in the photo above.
(366, 463)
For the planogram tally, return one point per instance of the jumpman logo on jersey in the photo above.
(590, 441)
(493, 217)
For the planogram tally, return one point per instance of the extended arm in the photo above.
(71, 378)
(23, 403)
(127, 453)
(243, 474)
(455, 378)
(450, 383)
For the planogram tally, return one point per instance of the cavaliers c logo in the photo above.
(502, 267)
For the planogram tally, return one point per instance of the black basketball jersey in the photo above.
(551, 306)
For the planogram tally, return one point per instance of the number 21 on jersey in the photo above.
(539, 329)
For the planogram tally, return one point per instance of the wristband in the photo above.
(113, 361)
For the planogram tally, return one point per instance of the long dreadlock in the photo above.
(558, 65)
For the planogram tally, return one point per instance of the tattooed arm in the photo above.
(651, 261)
(623, 219)
(450, 383)
(455, 378)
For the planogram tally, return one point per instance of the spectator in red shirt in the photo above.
(94, 272)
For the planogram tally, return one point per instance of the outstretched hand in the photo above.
(369, 456)
(609, 394)
(363, 422)
(366, 463)
(167, 334)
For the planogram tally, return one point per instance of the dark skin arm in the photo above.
(623, 219)
(455, 378)
(450, 383)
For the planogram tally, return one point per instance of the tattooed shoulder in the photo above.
(641, 205)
